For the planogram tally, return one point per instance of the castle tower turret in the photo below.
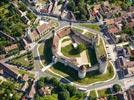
(82, 72)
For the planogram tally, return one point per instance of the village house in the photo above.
(11, 47)
(45, 90)
(41, 30)
(130, 93)
(126, 66)
(122, 52)
(2, 56)
(24, 87)
(10, 70)
(32, 91)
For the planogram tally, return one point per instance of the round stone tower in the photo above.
(82, 71)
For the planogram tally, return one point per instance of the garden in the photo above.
(25, 60)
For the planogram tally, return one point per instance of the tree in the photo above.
(128, 31)
(108, 91)
(54, 81)
(40, 84)
(36, 97)
(71, 6)
(64, 95)
(117, 88)
(111, 97)
(72, 90)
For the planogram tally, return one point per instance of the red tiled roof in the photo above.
(11, 47)
(64, 32)
(44, 27)
(113, 29)
(130, 24)
(44, 10)
(109, 21)
(32, 91)
(129, 64)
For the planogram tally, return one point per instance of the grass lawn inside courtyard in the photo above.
(92, 26)
(70, 51)
(91, 77)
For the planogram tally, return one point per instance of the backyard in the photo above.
(25, 60)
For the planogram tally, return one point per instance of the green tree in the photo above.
(64, 95)
(54, 81)
(72, 90)
(117, 88)
(71, 5)
(111, 97)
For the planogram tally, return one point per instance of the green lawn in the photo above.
(50, 97)
(92, 56)
(92, 93)
(66, 39)
(23, 60)
(75, 98)
(26, 72)
(96, 76)
(77, 30)
(48, 51)
(42, 54)
(91, 77)
(103, 93)
(66, 71)
(92, 26)
(70, 51)
(101, 49)
(89, 35)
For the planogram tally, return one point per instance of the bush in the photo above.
(64, 95)
(22, 7)
(72, 90)
(117, 88)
